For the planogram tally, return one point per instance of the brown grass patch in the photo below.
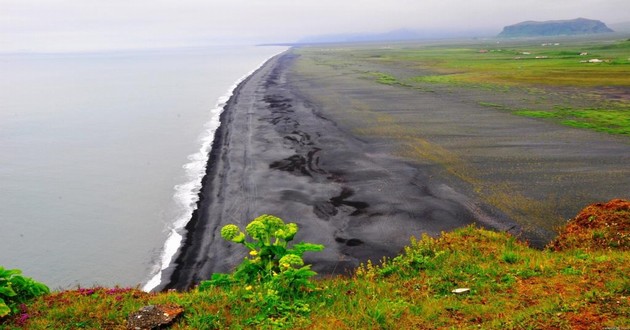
(598, 226)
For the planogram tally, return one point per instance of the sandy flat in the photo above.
(361, 167)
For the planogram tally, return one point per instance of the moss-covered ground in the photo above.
(581, 281)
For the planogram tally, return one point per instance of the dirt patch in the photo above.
(598, 226)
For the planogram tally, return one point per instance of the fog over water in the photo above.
(92, 156)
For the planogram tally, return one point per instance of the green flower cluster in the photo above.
(273, 274)
(257, 230)
(268, 244)
(291, 260)
(267, 226)
(288, 232)
(232, 233)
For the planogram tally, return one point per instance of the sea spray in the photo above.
(187, 194)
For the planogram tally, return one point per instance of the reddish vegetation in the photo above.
(598, 226)
(540, 290)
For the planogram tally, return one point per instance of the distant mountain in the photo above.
(555, 28)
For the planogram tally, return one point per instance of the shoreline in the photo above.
(275, 152)
(362, 167)
(173, 272)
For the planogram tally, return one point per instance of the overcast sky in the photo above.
(67, 25)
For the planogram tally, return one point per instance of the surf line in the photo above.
(187, 194)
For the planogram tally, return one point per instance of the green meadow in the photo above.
(574, 82)
(530, 63)
(563, 68)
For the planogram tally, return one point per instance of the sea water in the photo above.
(102, 154)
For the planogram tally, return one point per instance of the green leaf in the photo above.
(218, 279)
(276, 250)
(302, 247)
(7, 273)
(7, 292)
(40, 288)
(4, 309)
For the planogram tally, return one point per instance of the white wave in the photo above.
(187, 194)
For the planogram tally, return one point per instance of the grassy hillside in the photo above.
(581, 281)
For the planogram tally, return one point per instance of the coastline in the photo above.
(188, 193)
(362, 167)
(275, 153)
(173, 271)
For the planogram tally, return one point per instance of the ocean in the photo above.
(102, 154)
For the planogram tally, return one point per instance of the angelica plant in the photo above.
(273, 273)
(270, 254)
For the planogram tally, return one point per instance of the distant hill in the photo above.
(555, 28)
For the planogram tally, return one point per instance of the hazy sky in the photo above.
(61, 25)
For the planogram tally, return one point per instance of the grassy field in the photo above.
(551, 65)
(551, 76)
(428, 103)
(580, 282)
(609, 121)
(547, 67)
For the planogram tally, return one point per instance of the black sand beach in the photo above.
(299, 147)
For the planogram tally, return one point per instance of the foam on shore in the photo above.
(187, 194)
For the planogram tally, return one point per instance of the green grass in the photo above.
(517, 64)
(522, 288)
(386, 79)
(508, 76)
(511, 64)
(459, 80)
(609, 121)
(492, 105)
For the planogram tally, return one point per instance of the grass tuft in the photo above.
(609, 121)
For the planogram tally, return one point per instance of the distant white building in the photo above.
(595, 60)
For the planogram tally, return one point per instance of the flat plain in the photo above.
(535, 128)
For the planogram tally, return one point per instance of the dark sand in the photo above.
(288, 145)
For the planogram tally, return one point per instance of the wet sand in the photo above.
(287, 147)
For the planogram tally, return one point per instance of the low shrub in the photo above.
(16, 289)
(274, 275)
